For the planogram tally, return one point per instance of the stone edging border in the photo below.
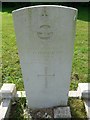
(8, 92)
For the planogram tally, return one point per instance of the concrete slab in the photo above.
(8, 90)
(5, 108)
(84, 90)
(20, 94)
(62, 112)
(73, 94)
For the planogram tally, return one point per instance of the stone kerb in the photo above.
(58, 111)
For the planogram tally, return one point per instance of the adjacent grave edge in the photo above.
(83, 92)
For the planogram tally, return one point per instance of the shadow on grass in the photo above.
(83, 11)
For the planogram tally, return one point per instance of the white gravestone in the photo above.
(45, 38)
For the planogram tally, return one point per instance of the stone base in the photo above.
(8, 90)
(54, 113)
(62, 112)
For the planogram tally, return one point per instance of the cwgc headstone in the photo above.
(45, 38)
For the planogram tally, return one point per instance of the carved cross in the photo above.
(46, 75)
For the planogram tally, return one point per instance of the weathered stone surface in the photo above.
(8, 90)
(73, 94)
(45, 38)
(62, 112)
(84, 90)
(5, 108)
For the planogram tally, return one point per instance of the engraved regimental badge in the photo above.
(45, 31)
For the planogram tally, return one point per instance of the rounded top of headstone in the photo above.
(40, 6)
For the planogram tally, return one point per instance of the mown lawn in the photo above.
(11, 71)
(11, 66)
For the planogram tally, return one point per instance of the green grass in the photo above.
(77, 108)
(11, 65)
(80, 60)
(18, 109)
(0, 50)
(11, 71)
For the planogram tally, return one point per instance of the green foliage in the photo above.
(18, 109)
(77, 108)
